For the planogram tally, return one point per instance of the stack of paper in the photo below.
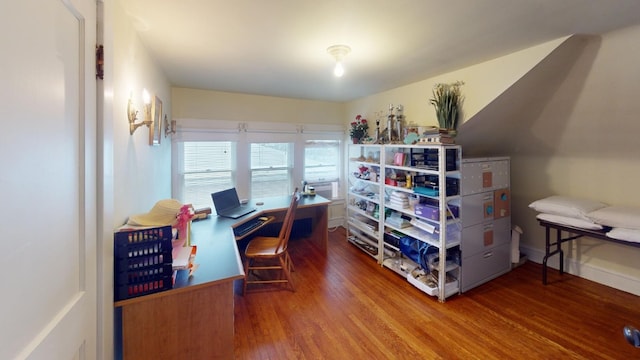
(398, 220)
(399, 199)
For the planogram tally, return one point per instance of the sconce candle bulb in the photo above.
(146, 97)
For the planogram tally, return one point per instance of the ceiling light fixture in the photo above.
(338, 52)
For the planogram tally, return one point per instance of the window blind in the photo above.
(208, 167)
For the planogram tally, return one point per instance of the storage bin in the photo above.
(427, 283)
(432, 212)
(142, 262)
(136, 283)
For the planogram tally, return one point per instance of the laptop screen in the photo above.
(225, 200)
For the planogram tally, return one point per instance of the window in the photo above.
(271, 169)
(207, 167)
(259, 159)
(321, 161)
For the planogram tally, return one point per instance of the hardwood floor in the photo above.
(348, 307)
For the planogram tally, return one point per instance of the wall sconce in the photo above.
(169, 126)
(338, 52)
(132, 113)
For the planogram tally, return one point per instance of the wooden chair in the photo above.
(269, 254)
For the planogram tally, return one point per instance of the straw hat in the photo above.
(164, 212)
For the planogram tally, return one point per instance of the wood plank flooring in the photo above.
(348, 307)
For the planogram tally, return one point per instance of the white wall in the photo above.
(142, 173)
(587, 145)
(135, 175)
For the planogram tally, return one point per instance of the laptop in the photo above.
(227, 204)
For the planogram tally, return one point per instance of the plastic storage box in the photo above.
(432, 212)
(142, 262)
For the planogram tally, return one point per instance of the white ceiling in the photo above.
(278, 47)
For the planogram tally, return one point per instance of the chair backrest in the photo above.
(287, 224)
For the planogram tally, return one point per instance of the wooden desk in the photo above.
(194, 320)
(315, 208)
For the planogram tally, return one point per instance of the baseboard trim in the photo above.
(335, 222)
(586, 271)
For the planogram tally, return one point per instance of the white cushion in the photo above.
(632, 235)
(569, 221)
(627, 217)
(566, 206)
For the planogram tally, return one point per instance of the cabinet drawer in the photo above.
(484, 236)
(485, 266)
(484, 174)
(477, 208)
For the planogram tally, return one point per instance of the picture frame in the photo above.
(155, 133)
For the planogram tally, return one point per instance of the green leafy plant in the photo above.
(447, 100)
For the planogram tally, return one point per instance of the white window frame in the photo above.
(281, 189)
(243, 133)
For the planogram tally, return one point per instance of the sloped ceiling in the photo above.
(514, 123)
(278, 47)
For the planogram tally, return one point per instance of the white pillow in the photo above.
(566, 206)
(632, 235)
(627, 217)
(570, 221)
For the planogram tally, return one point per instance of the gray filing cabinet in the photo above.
(485, 213)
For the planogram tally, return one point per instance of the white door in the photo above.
(48, 179)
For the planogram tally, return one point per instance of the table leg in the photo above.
(547, 248)
(559, 249)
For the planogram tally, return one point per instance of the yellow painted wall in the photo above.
(483, 82)
(217, 105)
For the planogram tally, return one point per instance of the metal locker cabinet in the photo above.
(485, 213)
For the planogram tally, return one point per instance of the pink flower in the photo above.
(358, 117)
(363, 121)
(184, 216)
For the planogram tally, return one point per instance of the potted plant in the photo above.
(358, 129)
(447, 100)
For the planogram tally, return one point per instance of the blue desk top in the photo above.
(217, 256)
